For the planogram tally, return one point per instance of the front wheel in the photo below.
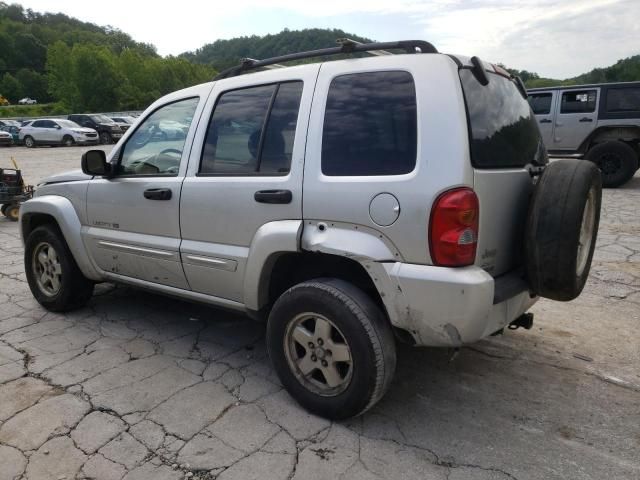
(105, 138)
(68, 141)
(332, 347)
(54, 278)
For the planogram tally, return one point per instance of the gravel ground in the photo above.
(139, 386)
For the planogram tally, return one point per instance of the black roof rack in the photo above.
(345, 46)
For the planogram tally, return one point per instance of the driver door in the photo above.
(133, 227)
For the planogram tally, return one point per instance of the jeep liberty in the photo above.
(350, 203)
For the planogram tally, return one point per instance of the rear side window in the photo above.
(370, 125)
(540, 103)
(252, 131)
(623, 100)
(578, 101)
(504, 132)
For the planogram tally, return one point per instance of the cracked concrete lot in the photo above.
(138, 386)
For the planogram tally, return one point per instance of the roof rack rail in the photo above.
(346, 46)
(377, 53)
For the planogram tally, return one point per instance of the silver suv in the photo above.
(350, 203)
(598, 122)
(56, 131)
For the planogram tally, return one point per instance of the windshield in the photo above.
(101, 119)
(67, 124)
(504, 131)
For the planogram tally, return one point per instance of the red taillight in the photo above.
(453, 228)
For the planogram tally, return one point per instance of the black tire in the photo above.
(617, 162)
(3, 207)
(364, 329)
(567, 196)
(74, 288)
(29, 142)
(105, 138)
(12, 212)
(68, 141)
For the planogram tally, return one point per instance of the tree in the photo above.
(10, 88)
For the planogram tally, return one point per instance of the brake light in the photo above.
(453, 228)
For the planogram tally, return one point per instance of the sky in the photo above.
(555, 38)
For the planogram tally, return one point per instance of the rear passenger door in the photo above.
(245, 170)
(576, 118)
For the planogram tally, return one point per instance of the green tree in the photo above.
(10, 88)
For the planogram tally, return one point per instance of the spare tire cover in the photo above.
(562, 225)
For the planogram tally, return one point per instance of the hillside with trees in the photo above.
(81, 66)
(222, 54)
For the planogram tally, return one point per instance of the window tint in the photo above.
(38, 124)
(370, 125)
(578, 101)
(540, 103)
(155, 148)
(504, 132)
(252, 131)
(623, 99)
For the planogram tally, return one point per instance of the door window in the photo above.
(155, 148)
(251, 131)
(540, 103)
(578, 101)
(370, 125)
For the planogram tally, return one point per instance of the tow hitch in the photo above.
(525, 321)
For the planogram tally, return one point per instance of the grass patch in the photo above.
(27, 111)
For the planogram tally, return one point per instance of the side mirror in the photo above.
(94, 162)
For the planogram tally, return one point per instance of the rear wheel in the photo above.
(332, 347)
(29, 142)
(617, 162)
(562, 227)
(12, 212)
(54, 278)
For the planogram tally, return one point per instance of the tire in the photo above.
(105, 138)
(12, 212)
(73, 289)
(68, 141)
(617, 162)
(29, 142)
(562, 226)
(360, 333)
(3, 207)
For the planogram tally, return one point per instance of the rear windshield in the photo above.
(504, 132)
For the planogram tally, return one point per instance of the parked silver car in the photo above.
(598, 122)
(349, 203)
(56, 131)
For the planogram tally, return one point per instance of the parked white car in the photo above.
(27, 101)
(56, 131)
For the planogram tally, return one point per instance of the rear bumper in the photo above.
(452, 306)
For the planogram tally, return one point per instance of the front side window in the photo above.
(370, 125)
(39, 124)
(540, 103)
(155, 148)
(252, 131)
(578, 101)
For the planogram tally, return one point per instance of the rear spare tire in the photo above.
(562, 226)
(617, 162)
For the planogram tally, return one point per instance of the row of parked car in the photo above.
(76, 129)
